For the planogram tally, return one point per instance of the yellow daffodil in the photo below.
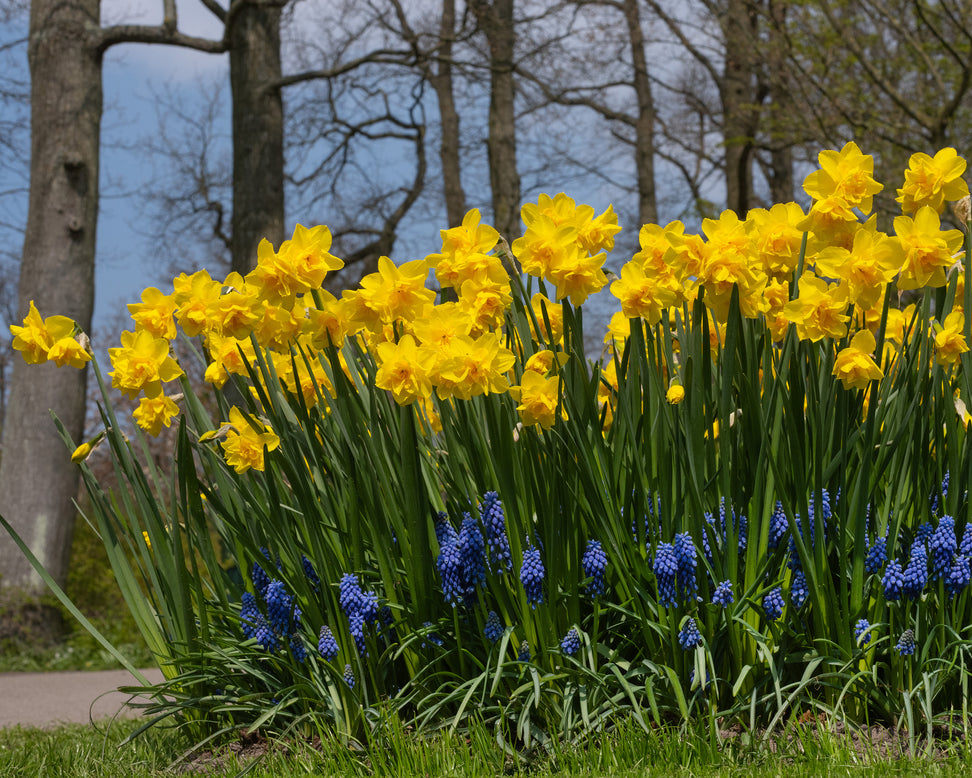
(538, 397)
(142, 364)
(820, 309)
(458, 243)
(950, 341)
(933, 181)
(845, 181)
(153, 413)
(40, 340)
(928, 250)
(854, 366)
(246, 441)
(155, 313)
(403, 369)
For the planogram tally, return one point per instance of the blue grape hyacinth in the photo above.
(280, 607)
(449, 563)
(250, 616)
(965, 547)
(689, 637)
(684, 550)
(906, 643)
(494, 627)
(893, 581)
(773, 603)
(593, 562)
(532, 574)
(861, 632)
(523, 655)
(259, 577)
(943, 545)
(665, 568)
(349, 676)
(798, 589)
(778, 527)
(958, 576)
(570, 645)
(916, 573)
(877, 555)
(327, 646)
(350, 594)
(310, 572)
(494, 520)
(472, 550)
(445, 533)
(723, 594)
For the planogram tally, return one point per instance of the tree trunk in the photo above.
(496, 21)
(738, 103)
(645, 123)
(258, 180)
(455, 198)
(38, 481)
(782, 107)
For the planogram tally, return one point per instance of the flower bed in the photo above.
(753, 503)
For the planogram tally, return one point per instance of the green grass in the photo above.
(86, 752)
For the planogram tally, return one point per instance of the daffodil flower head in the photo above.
(153, 413)
(854, 366)
(933, 181)
(844, 181)
(950, 341)
(142, 364)
(246, 442)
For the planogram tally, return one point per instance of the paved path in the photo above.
(48, 699)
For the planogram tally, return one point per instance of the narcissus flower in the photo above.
(471, 367)
(949, 339)
(155, 313)
(155, 412)
(928, 249)
(854, 366)
(538, 397)
(645, 294)
(299, 266)
(845, 181)
(142, 364)
(40, 340)
(870, 264)
(933, 181)
(451, 265)
(403, 369)
(246, 442)
(819, 310)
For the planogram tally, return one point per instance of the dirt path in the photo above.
(48, 699)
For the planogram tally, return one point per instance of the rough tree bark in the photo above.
(496, 21)
(455, 197)
(644, 147)
(253, 32)
(739, 111)
(38, 482)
